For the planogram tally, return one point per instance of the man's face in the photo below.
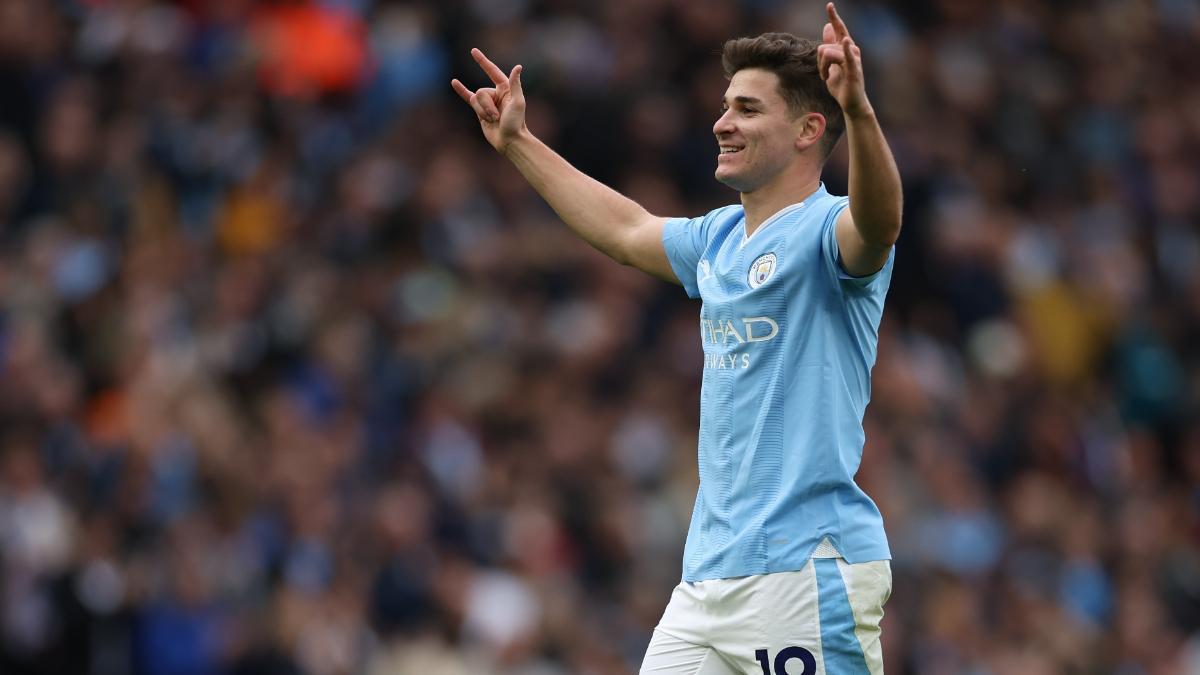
(755, 133)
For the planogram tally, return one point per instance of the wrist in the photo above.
(513, 144)
(863, 112)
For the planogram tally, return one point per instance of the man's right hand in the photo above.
(612, 223)
(500, 108)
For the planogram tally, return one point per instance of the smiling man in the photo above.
(786, 566)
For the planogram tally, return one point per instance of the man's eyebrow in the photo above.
(747, 100)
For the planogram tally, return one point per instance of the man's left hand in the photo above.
(840, 63)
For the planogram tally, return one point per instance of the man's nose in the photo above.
(723, 125)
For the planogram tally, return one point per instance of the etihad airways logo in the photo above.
(734, 333)
(748, 329)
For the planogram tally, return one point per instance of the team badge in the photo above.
(762, 269)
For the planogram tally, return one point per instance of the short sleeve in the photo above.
(832, 253)
(685, 240)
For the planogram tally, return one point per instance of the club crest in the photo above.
(762, 269)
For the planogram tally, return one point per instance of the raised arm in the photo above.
(868, 229)
(612, 223)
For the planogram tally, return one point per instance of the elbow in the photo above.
(888, 224)
(634, 244)
(622, 247)
(622, 260)
(882, 235)
(620, 254)
(878, 227)
(891, 235)
(888, 220)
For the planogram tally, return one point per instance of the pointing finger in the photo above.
(461, 90)
(839, 26)
(492, 70)
(827, 35)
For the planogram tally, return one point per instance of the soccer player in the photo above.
(786, 566)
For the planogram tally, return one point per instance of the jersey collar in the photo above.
(790, 208)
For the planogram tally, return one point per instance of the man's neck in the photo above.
(771, 199)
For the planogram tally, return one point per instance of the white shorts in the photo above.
(821, 620)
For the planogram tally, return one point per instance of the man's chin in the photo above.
(729, 181)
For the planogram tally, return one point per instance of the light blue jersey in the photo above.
(789, 340)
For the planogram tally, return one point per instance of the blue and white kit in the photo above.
(789, 341)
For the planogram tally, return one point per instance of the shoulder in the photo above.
(704, 229)
(816, 213)
(831, 205)
(725, 214)
(718, 216)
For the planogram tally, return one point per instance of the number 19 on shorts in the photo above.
(806, 657)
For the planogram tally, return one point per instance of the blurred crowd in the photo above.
(298, 376)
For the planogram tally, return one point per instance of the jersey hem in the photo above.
(781, 566)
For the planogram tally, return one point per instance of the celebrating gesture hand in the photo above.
(840, 63)
(501, 108)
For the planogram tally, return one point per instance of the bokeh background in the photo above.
(298, 376)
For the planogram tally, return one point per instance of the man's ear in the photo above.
(810, 129)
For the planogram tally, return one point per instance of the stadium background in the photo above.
(298, 376)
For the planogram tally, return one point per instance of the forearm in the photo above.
(876, 198)
(600, 215)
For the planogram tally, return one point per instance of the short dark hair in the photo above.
(794, 61)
